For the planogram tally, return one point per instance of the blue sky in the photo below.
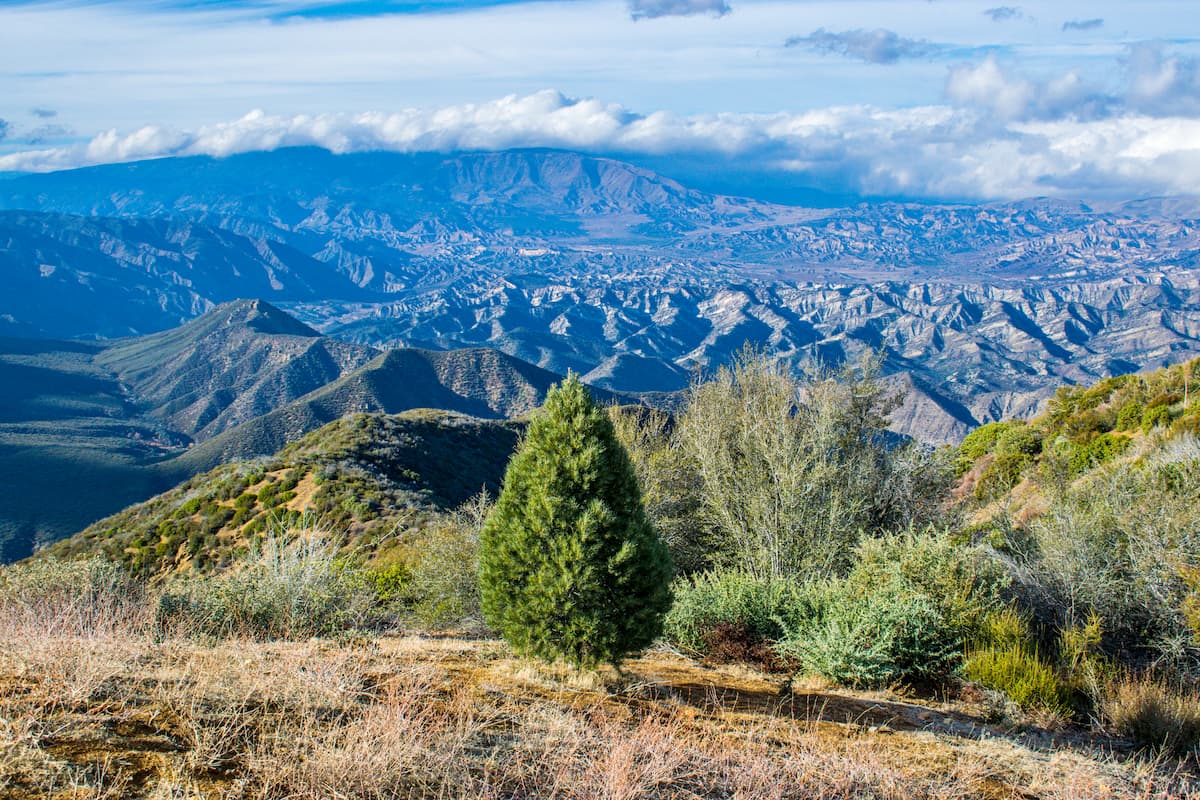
(914, 98)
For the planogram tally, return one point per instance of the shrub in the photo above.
(1153, 716)
(963, 582)
(1019, 438)
(792, 472)
(1130, 416)
(977, 444)
(713, 606)
(1019, 672)
(1155, 416)
(444, 579)
(1001, 475)
(570, 567)
(84, 597)
(290, 589)
(1115, 545)
(1100, 450)
(893, 634)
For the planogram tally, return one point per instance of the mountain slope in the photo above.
(363, 477)
(478, 382)
(87, 428)
(237, 362)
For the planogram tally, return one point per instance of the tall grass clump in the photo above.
(292, 586)
(85, 598)
(1153, 715)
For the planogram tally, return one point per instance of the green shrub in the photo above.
(893, 634)
(1100, 450)
(978, 443)
(1155, 416)
(1020, 673)
(1002, 474)
(963, 582)
(727, 603)
(1002, 629)
(1130, 416)
(1019, 438)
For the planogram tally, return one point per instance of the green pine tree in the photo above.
(570, 567)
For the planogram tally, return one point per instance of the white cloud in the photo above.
(1154, 83)
(929, 151)
(1160, 83)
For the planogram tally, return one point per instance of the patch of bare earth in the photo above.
(396, 717)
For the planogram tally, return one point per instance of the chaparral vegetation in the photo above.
(763, 594)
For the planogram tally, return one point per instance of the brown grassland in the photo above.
(92, 706)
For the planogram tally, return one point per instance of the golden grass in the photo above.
(111, 712)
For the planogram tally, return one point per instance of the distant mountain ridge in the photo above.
(87, 428)
(630, 278)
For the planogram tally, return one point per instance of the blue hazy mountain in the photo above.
(632, 279)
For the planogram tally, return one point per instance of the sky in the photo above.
(920, 99)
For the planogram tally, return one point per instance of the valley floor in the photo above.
(395, 716)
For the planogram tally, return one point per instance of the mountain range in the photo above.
(628, 277)
(87, 428)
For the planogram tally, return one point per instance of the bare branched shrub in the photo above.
(49, 598)
(292, 586)
(792, 472)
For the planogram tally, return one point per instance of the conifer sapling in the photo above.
(570, 566)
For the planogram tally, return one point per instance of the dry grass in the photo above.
(108, 711)
(1153, 716)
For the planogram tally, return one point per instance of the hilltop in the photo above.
(366, 476)
(105, 424)
(1009, 468)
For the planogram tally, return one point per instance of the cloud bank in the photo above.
(875, 47)
(651, 9)
(934, 152)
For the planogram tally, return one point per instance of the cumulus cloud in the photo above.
(1008, 95)
(1003, 13)
(875, 47)
(1154, 83)
(934, 152)
(650, 9)
(1161, 83)
(1083, 24)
